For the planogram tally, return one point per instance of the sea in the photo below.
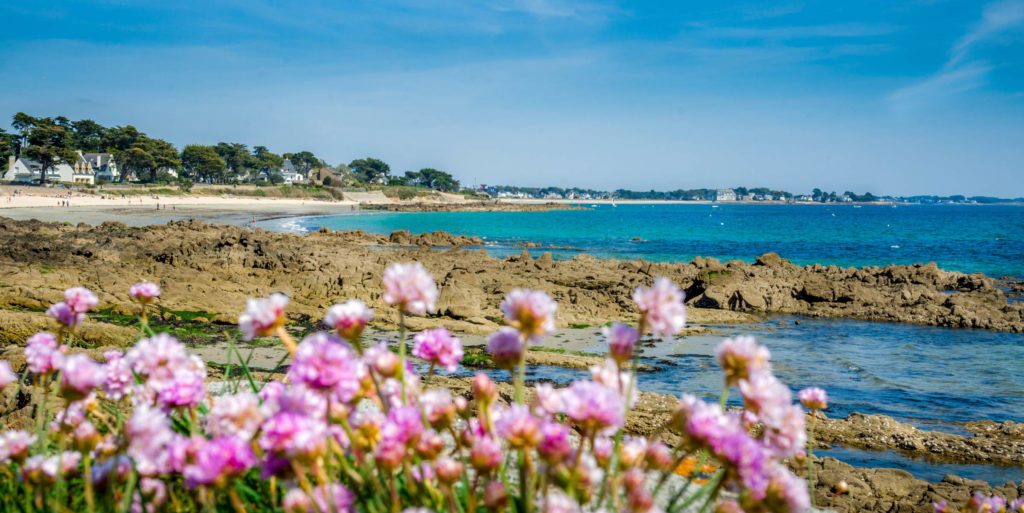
(935, 378)
(970, 238)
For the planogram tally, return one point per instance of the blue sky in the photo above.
(921, 96)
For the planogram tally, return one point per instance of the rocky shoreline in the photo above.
(214, 268)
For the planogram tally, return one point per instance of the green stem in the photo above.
(401, 351)
(724, 398)
(810, 457)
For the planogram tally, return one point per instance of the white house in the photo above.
(24, 170)
(725, 195)
(102, 165)
(291, 175)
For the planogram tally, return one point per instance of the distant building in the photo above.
(725, 195)
(24, 170)
(102, 165)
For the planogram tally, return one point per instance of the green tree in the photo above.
(203, 163)
(265, 160)
(305, 161)
(432, 179)
(45, 141)
(88, 135)
(236, 156)
(8, 146)
(370, 170)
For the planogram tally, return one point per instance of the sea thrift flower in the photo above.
(410, 288)
(662, 307)
(14, 445)
(484, 389)
(518, 426)
(80, 299)
(186, 387)
(621, 340)
(86, 437)
(42, 354)
(813, 398)
(940, 507)
(332, 497)
(506, 348)
(294, 435)
(237, 414)
(556, 501)
(322, 361)
(80, 376)
(448, 470)
(485, 454)
(118, 375)
(7, 376)
(766, 397)
(157, 357)
(149, 434)
(532, 312)
(144, 292)
(217, 461)
(349, 319)
(438, 347)
(296, 501)
(382, 360)
(495, 495)
(740, 357)
(981, 504)
(555, 445)
(403, 424)
(594, 406)
(438, 407)
(262, 317)
(64, 314)
(548, 400)
(786, 488)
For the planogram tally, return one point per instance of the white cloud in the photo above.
(960, 74)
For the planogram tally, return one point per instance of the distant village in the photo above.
(44, 150)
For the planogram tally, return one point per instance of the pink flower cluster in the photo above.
(348, 426)
(144, 292)
(410, 288)
(438, 347)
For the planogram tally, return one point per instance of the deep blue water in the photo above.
(969, 238)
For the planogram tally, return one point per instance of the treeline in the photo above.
(51, 141)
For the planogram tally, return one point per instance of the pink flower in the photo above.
(322, 361)
(594, 406)
(485, 454)
(7, 376)
(438, 347)
(981, 504)
(149, 434)
(237, 414)
(556, 501)
(410, 288)
(403, 424)
(294, 435)
(787, 435)
(44, 469)
(532, 312)
(940, 507)
(186, 388)
(518, 426)
(555, 445)
(349, 319)
(621, 340)
(296, 398)
(64, 314)
(548, 400)
(217, 461)
(381, 360)
(80, 299)
(662, 307)
(80, 376)
(332, 497)
(484, 389)
(42, 354)
(438, 407)
(119, 377)
(296, 501)
(786, 488)
(262, 317)
(157, 357)
(813, 398)
(144, 292)
(448, 470)
(14, 445)
(741, 357)
(765, 396)
(506, 348)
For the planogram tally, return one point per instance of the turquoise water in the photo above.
(970, 238)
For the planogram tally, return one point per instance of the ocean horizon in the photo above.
(985, 239)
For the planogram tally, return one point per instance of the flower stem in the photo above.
(90, 499)
(810, 456)
(401, 352)
(287, 339)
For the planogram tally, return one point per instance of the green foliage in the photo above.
(203, 162)
(370, 170)
(433, 179)
(305, 161)
(46, 140)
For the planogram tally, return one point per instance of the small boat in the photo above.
(856, 206)
(714, 206)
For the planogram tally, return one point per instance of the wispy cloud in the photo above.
(997, 18)
(961, 73)
(839, 31)
(551, 9)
